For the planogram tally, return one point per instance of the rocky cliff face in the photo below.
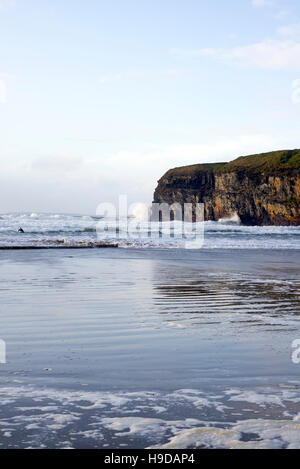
(262, 189)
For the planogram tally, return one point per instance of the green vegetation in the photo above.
(264, 163)
(276, 161)
(187, 171)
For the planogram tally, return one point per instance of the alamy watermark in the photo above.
(159, 220)
(2, 351)
(296, 352)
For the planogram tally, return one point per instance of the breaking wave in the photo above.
(83, 230)
(233, 220)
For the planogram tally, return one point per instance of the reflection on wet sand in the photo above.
(217, 293)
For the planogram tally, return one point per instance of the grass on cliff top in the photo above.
(191, 170)
(265, 162)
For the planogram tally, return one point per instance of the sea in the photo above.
(118, 340)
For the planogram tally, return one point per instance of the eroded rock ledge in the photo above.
(262, 189)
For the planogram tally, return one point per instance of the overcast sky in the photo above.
(100, 97)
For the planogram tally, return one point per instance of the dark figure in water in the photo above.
(20, 230)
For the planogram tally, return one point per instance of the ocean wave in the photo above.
(233, 220)
(46, 229)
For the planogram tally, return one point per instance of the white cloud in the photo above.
(273, 54)
(279, 53)
(270, 54)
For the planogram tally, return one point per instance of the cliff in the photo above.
(262, 189)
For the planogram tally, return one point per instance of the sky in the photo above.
(100, 98)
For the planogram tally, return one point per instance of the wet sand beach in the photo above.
(149, 347)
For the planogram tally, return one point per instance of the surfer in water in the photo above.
(20, 230)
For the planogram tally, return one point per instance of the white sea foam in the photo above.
(265, 397)
(266, 434)
(126, 415)
(234, 219)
